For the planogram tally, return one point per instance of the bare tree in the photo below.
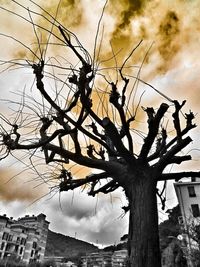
(84, 116)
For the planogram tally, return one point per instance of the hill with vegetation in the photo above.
(119, 246)
(66, 246)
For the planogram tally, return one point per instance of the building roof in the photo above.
(186, 183)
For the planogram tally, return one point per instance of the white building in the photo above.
(119, 258)
(24, 239)
(188, 194)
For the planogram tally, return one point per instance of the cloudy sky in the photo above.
(170, 31)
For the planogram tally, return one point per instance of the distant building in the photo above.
(97, 259)
(59, 261)
(105, 259)
(188, 194)
(119, 258)
(23, 239)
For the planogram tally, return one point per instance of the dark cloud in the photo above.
(125, 13)
(129, 10)
(90, 218)
(70, 12)
(172, 29)
(77, 205)
(168, 46)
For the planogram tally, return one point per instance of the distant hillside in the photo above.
(119, 246)
(66, 246)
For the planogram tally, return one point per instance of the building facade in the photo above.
(97, 259)
(119, 258)
(23, 239)
(188, 194)
(105, 259)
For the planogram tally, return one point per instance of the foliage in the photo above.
(17, 263)
(116, 247)
(195, 255)
(170, 227)
(12, 261)
(37, 264)
(48, 263)
(173, 255)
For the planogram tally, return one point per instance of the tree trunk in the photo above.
(143, 244)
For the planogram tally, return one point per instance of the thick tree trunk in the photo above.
(143, 244)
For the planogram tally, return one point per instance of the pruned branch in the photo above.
(38, 71)
(178, 175)
(112, 132)
(162, 198)
(179, 159)
(188, 127)
(176, 120)
(114, 99)
(68, 183)
(153, 125)
(111, 167)
(107, 188)
(160, 146)
(163, 162)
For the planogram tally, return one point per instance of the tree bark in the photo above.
(143, 243)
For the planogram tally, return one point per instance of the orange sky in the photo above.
(171, 27)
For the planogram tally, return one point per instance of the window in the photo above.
(5, 236)
(16, 248)
(191, 191)
(23, 241)
(34, 245)
(10, 237)
(8, 247)
(2, 245)
(32, 253)
(195, 210)
(180, 220)
(21, 251)
(193, 179)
